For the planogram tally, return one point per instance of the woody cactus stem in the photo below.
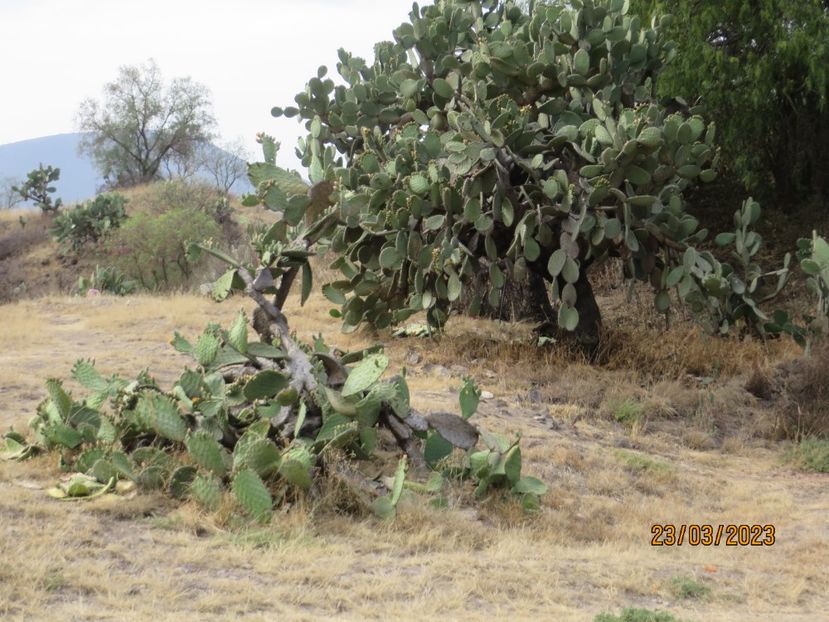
(298, 364)
(275, 326)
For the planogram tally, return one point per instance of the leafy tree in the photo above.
(37, 189)
(142, 124)
(761, 68)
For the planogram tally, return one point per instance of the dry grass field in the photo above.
(662, 431)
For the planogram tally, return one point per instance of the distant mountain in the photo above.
(79, 180)
(78, 177)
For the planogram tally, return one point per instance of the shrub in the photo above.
(163, 196)
(760, 69)
(90, 222)
(152, 249)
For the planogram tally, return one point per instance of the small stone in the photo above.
(412, 357)
(486, 395)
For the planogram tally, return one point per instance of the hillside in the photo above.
(79, 180)
(32, 264)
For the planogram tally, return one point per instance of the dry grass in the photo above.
(588, 549)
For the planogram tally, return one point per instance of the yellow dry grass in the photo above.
(588, 550)
(12, 217)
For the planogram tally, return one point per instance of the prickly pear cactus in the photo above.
(492, 140)
(236, 428)
(488, 139)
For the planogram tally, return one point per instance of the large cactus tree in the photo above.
(499, 139)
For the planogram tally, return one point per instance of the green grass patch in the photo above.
(643, 464)
(810, 454)
(627, 412)
(636, 615)
(686, 587)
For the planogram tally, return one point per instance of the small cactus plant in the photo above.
(37, 188)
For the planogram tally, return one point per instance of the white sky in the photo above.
(251, 54)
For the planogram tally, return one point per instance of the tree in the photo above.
(36, 188)
(142, 124)
(489, 140)
(9, 196)
(761, 69)
(226, 163)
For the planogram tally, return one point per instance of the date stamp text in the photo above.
(712, 535)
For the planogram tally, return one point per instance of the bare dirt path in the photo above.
(586, 552)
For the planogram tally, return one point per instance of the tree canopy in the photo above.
(761, 69)
(142, 124)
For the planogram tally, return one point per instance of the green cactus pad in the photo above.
(265, 384)
(365, 374)
(207, 491)
(181, 481)
(261, 455)
(207, 347)
(207, 452)
(252, 494)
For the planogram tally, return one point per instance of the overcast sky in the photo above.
(251, 54)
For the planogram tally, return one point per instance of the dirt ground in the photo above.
(692, 454)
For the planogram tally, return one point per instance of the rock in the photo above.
(486, 395)
(459, 370)
(454, 429)
(436, 370)
(412, 357)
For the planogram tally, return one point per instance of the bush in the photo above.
(162, 196)
(152, 249)
(90, 222)
(686, 587)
